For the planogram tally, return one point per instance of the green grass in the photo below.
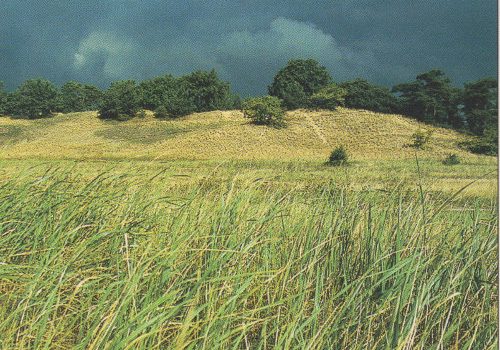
(193, 255)
(227, 135)
(208, 232)
(10, 134)
(149, 134)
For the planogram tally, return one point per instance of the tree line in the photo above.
(302, 83)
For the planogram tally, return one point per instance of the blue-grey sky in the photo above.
(384, 41)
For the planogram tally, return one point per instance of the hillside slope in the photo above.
(220, 135)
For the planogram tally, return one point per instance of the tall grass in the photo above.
(115, 263)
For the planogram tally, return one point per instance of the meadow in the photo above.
(212, 233)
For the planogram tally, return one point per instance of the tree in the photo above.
(206, 90)
(233, 101)
(298, 81)
(360, 94)
(120, 101)
(265, 110)
(330, 97)
(177, 104)
(35, 98)
(480, 101)
(291, 92)
(3, 99)
(430, 98)
(155, 91)
(77, 97)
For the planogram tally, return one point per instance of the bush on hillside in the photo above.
(421, 138)
(330, 97)
(161, 112)
(484, 146)
(338, 157)
(451, 159)
(121, 101)
(233, 102)
(265, 110)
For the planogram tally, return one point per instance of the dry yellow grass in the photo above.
(221, 135)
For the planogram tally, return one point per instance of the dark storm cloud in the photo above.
(246, 41)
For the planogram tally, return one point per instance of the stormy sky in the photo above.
(384, 41)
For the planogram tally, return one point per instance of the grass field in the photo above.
(209, 232)
(310, 136)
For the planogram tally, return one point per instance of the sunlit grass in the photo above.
(119, 260)
(211, 233)
(222, 135)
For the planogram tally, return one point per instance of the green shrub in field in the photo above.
(141, 113)
(421, 138)
(161, 112)
(486, 144)
(338, 157)
(451, 159)
(329, 97)
(265, 110)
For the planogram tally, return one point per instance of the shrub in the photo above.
(330, 97)
(120, 101)
(338, 157)
(481, 146)
(451, 159)
(421, 138)
(265, 110)
(234, 102)
(141, 113)
(161, 112)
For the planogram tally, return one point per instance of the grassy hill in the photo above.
(221, 136)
